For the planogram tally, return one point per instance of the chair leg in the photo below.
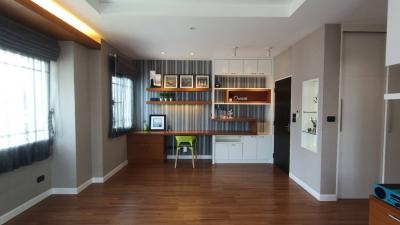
(177, 154)
(192, 157)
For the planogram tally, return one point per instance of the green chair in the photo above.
(188, 142)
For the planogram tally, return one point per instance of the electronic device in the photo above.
(389, 193)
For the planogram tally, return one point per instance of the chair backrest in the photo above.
(188, 139)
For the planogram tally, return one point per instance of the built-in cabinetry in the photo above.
(381, 213)
(242, 149)
(247, 67)
(393, 33)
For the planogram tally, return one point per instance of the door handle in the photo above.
(341, 115)
(288, 127)
(389, 117)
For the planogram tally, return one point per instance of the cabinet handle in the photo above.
(394, 218)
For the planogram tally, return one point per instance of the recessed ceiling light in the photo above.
(162, 53)
(192, 53)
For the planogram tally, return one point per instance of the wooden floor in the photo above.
(221, 194)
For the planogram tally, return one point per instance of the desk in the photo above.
(149, 146)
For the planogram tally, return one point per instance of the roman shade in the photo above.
(18, 38)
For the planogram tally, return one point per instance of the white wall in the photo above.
(393, 33)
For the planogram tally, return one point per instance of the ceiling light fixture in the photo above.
(162, 53)
(60, 12)
(192, 53)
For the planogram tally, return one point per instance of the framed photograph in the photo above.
(170, 81)
(155, 79)
(202, 81)
(157, 122)
(186, 81)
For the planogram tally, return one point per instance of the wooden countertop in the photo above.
(190, 132)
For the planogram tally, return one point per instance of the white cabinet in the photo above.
(221, 67)
(235, 67)
(250, 148)
(235, 151)
(264, 148)
(264, 67)
(250, 67)
(393, 33)
(243, 149)
(221, 151)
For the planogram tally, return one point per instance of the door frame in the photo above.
(290, 115)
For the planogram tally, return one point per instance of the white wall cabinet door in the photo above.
(221, 151)
(264, 148)
(264, 67)
(221, 67)
(250, 148)
(235, 151)
(250, 67)
(235, 67)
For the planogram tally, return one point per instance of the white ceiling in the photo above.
(144, 28)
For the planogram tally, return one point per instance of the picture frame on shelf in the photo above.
(202, 81)
(170, 81)
(186, 81)
(157, 122)
(155, 79)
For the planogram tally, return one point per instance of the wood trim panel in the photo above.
(33, 16)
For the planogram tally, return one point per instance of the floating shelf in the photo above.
(178, 89)
(393, 96)
(234, 119)
(247, 89)
(178, 102)
(241, 103)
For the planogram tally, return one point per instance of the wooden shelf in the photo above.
(178, 89)
(178, 102)
(240, 103)
(235, 119)
(244, 89)
(193, 132)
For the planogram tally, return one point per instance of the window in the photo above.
(24, 100)
(122, 105)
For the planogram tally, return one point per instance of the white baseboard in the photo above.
(20, 209)
(115, 170)
(59, 191)
(227, 161)
(189, 157)
(311, 191)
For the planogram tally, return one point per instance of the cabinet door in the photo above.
(221, 151)
(250, 147)
(264, 67)
(264, 148)
(221, 67)
(235, 67)
(235, 151)
(250, 67)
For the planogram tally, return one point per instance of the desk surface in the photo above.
(190, 132)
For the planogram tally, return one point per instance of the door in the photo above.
(264, 67)
(249, 147)
(282, 124)
(235, 152)
(362, 88)
(250, 67)
(221, 67)
(236, 67)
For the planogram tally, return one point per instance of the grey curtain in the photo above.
(16, 37)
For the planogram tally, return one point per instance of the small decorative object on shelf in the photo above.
(145, 126)
(170, 81)
(154, 99)
(217, 84)
(186, 81)
(202, 81)
(230, 113)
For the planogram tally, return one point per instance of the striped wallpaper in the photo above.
(179, 117)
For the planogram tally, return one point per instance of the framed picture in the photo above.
(170, 81)
(202, 81)
(186, 81)
(155, 79)
(157, 122)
